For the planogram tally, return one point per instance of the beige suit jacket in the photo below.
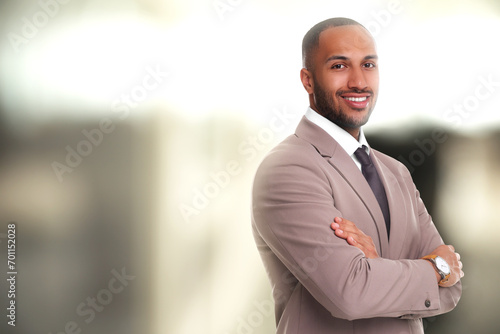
(320, 283)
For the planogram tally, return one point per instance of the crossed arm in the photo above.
(347, 230)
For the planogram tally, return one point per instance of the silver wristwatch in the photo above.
(441, 266)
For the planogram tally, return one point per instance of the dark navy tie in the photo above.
(371, 175)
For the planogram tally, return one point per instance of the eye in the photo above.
(338, 66)
(369, 65)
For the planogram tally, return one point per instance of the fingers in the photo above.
(348, 231)
(460, 265)
(344, 225)
(337, 228)
(338, 231)
(351, 241)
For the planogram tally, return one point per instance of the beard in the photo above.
(336, 113)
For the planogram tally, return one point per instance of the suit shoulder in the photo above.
(292, 171)
(292, 151)
(292, 159)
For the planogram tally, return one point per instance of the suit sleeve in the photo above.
(293, 207)
(430, 240)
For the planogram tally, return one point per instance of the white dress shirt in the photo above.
(344, 138)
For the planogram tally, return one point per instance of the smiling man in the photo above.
(345, 238)
(341, 76)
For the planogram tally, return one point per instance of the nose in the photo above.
(357, 79)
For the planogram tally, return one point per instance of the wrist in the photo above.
(441, 267)
(438, 277)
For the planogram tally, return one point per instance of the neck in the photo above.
(353, 132)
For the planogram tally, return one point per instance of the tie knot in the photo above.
(362, 156)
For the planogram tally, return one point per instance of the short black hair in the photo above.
(311, 38)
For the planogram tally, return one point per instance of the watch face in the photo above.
(442, 265)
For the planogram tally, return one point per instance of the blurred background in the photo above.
(130, 132)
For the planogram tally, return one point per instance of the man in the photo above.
(344, 255)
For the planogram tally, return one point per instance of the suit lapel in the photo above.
(397, 207)
(350, 172)
(345, 166)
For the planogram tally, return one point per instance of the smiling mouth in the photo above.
(356, 99)
(357, 102)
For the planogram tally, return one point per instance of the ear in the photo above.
(307, 80)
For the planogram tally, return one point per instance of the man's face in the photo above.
(345, 76)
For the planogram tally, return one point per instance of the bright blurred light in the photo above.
(82, 66)
(89, 62)
(430, 69)
(246, 67)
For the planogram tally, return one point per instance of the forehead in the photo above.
(350, 41)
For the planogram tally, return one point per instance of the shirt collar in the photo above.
(345, 140)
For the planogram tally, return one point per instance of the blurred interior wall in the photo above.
(83, 240)
(147, 227)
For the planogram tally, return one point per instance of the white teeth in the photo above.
(356, 99)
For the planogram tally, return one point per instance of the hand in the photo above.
(447, 252)
(345, 229)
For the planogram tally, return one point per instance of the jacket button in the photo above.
(427, 303)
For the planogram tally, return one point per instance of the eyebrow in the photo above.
(336, 57)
